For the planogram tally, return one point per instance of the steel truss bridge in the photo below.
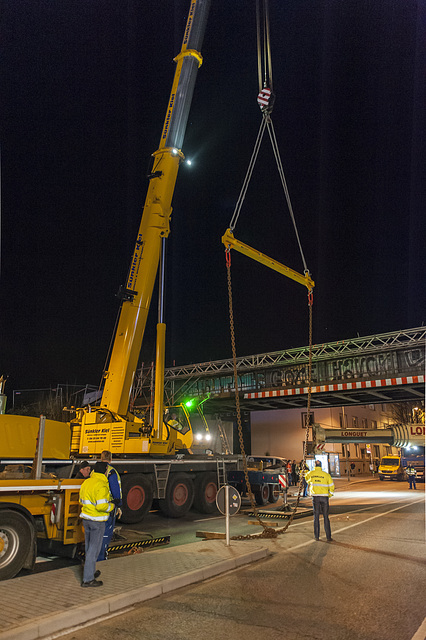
(387, 367)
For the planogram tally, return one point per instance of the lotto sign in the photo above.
(282, 480)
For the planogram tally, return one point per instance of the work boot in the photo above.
(97, 574)
(92, 583)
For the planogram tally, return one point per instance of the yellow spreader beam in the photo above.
(232, 243)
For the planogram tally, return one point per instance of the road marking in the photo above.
(378, 515)
(356, 524)
(208, 519)
(421, 632)
(349, 513)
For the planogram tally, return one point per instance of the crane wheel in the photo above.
(179, 496)
(205, 492)
(137, 497)
(16, 542)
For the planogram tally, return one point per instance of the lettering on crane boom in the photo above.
(189, 23)
(169, 115)
(136, 259)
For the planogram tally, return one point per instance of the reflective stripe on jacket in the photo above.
(95, 498)
(320, 482)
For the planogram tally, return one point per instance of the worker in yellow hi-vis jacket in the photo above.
(96, 505)
(321, 487)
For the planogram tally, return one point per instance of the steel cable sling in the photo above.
(265, 100)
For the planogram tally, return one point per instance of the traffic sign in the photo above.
(234, 499)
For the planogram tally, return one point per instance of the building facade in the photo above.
(282, 433)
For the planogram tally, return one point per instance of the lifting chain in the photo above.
(308, 420)
(267, 532)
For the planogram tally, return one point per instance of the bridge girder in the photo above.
(372, 362)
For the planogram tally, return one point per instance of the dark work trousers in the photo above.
(321, 505)
(93, 534)
(109, 530)
(412, 482)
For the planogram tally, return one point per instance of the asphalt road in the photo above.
(367, 585)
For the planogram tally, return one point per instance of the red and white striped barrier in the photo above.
(282, 480)
(342, 386)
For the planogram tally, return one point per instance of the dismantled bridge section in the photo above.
(388, 367)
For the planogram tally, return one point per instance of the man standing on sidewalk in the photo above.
(96, 505)
(321, 487)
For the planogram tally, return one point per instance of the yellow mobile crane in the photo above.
(111, 425)
(151, 458)
(176, 483)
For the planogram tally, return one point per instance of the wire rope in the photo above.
(276, 151)
(248, 175)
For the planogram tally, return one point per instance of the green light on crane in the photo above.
(196, 402)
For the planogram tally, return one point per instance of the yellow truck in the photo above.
(391, 468)
(37, 515)
(394, 466)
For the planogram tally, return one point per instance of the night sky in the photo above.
(84, 88)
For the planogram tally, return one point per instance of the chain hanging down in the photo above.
(308, 418)
(267, 532)
(265, 100)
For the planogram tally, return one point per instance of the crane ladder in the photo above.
(161, 472)
(223, 438)
(221, 473)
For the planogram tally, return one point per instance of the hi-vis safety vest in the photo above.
(95, 498)
(320, 482)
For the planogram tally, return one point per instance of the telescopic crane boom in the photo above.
(155, 222)
(136, 294)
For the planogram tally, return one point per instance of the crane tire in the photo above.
(273, 493)
(262, 495)
(16, 538)
(205, 492)
(179, 496)
(137, 497)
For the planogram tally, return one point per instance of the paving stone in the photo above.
(38, 605)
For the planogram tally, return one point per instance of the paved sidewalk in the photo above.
(39, 605)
